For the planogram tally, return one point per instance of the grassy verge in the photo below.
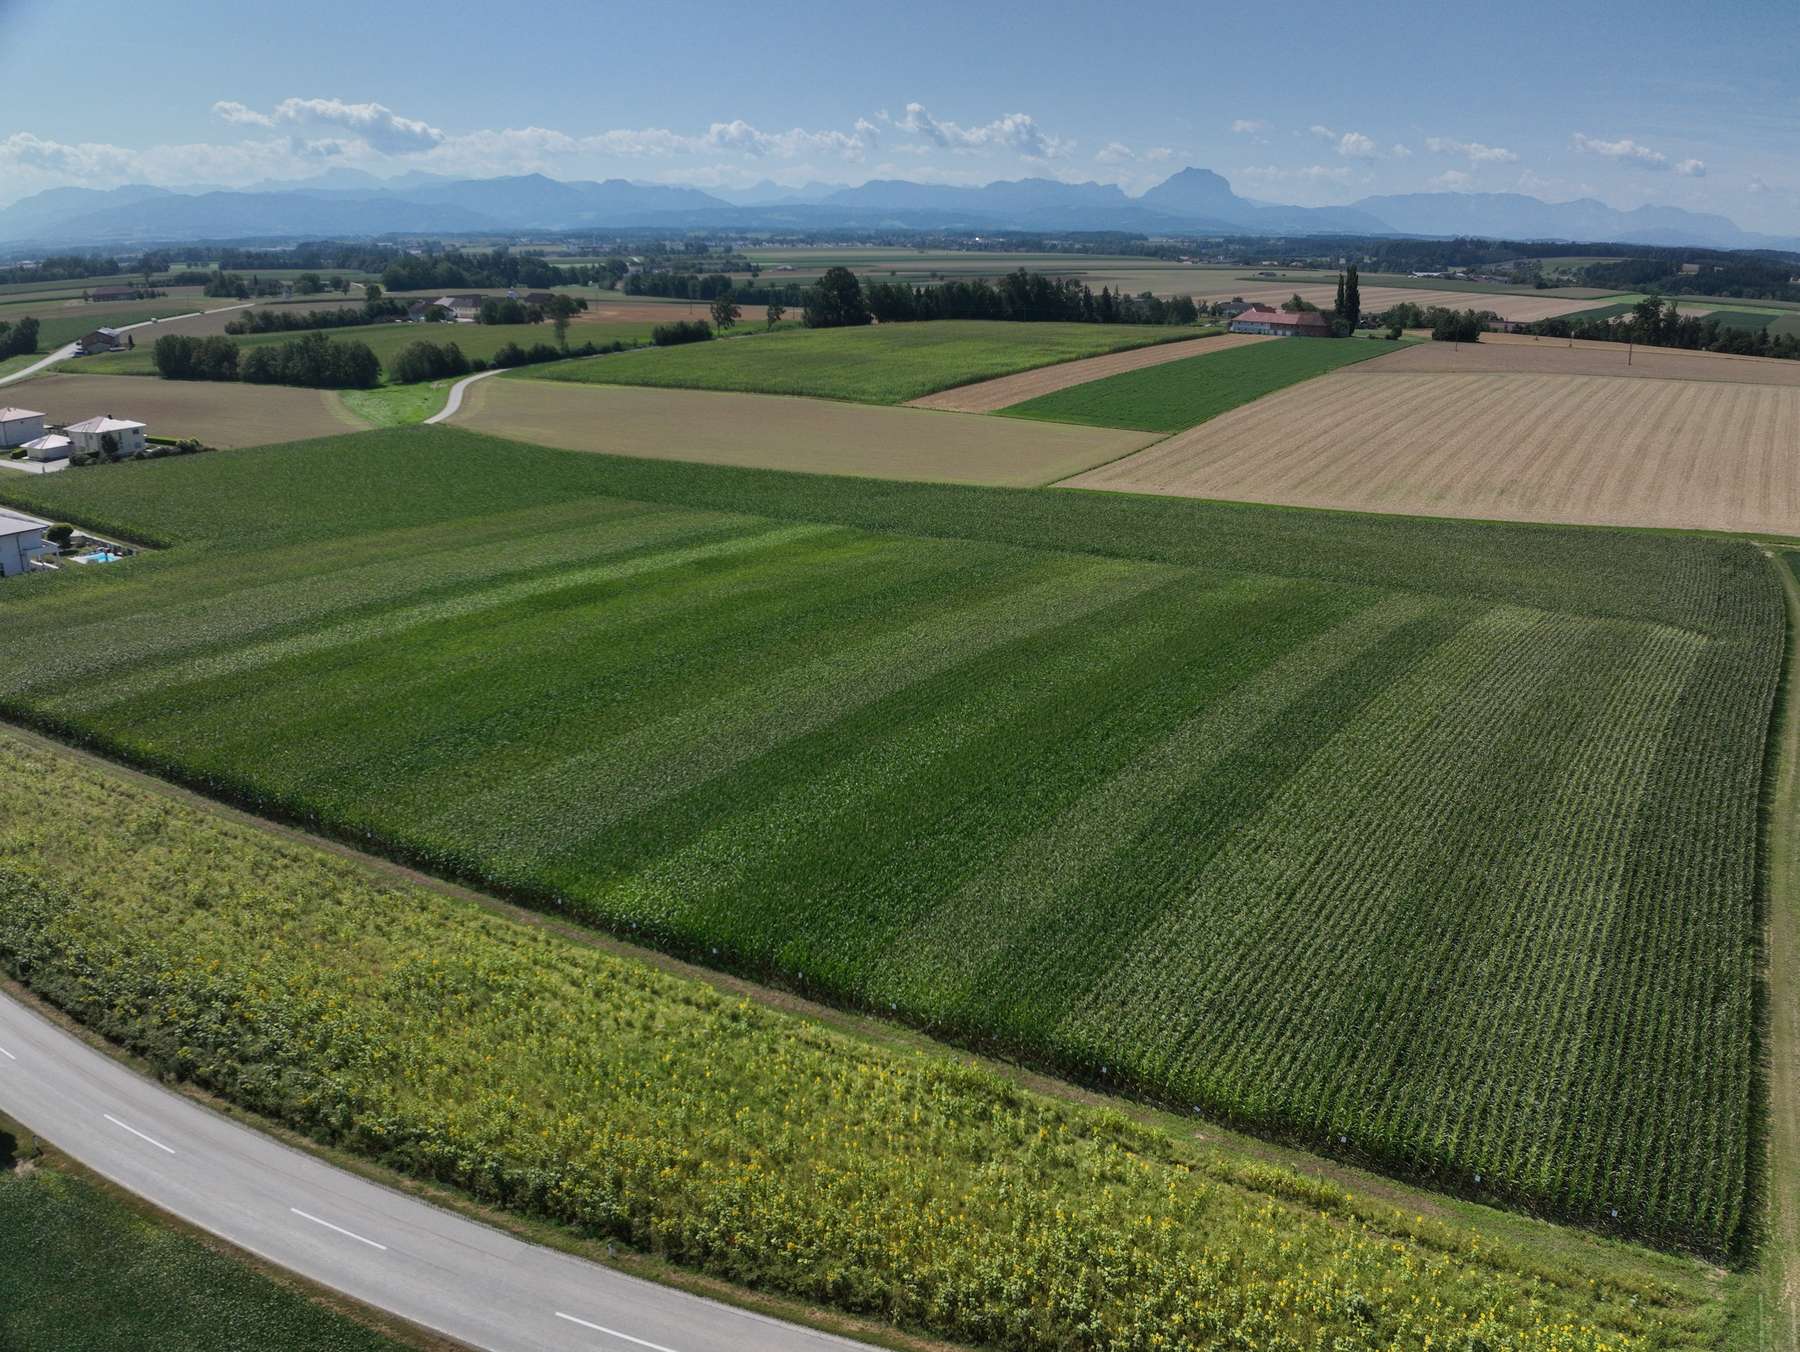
(1179, 394)
(397, 405)
(883, 364)
(83, 1268)
(570, 1084)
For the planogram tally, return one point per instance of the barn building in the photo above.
(1282, 323)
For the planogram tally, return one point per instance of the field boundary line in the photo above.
(1780, 1285)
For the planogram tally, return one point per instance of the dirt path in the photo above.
(989, 395)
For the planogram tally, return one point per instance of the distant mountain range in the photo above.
(348, 202)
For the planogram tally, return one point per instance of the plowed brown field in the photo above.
(1714, 454)
(219, 413)
(989, 395)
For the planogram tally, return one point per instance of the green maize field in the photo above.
(569, 1084)
(1430, 844)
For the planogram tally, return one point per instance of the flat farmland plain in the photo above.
(1434, 844)
(764, 431)
(1517, 353)
(220, 413)
(1705, 455)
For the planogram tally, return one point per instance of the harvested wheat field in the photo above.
(219, 413)
(1522, 353)
(989, 395)
(769, 431)
(1583, 449)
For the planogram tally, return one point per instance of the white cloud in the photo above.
(1400, 152)
(1249, 126)
(376, 123)
(1452, 180)
(1473, 151)
(239, 115)
(1017, 132)
(1117, 152)
(1312, 173)
(1691, 168)
(740, 136)
(1353, 145)
(1759, 185)
(1323, 132)
(1625, 151)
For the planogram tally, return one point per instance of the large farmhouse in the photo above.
(1282, 323)
(89, 435)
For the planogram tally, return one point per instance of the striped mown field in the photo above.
(1433, 844)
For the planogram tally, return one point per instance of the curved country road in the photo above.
(430, 1266)
(454, 402)
(67, 350)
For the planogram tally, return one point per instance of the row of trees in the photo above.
(458, 271)
(1658, 322)
(839, 299)
(62, 268)
(312, 360)
(20, 339)
(288, 321)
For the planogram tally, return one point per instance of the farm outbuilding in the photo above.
(53, 446)
(21, 541)
(100, 340)
(19, 425)
(1282, 323)
(89, 434)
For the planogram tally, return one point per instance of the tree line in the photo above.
(20, 339)
(312, 360)
(1658, 322)
(285, 321)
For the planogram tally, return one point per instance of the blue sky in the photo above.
(1685, 104)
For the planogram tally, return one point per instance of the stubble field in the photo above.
(766, 431)
(1712, 455)
(1432, 844)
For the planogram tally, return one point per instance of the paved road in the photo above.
(67, 350)
(454, 402)
(385, 1249)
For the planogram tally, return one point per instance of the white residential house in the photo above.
(21, 540)
(54, 446)
(18, 426)
(88, 433)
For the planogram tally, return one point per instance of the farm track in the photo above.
(989, 395)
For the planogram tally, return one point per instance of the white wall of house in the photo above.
(88, 443)
(18, 548)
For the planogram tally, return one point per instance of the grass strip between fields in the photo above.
(1181, 394)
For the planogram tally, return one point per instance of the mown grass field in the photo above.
(386, 340)
(882, 364)
(83, 1270)
(1179, 394)
(1431, 843)
(548, 1076)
